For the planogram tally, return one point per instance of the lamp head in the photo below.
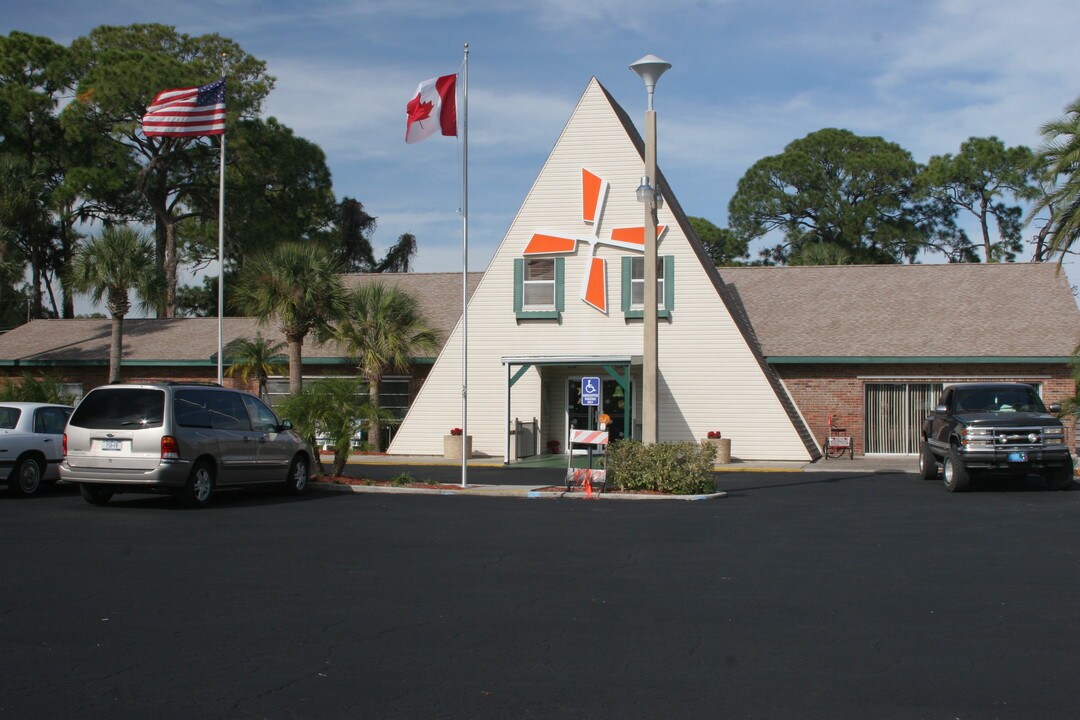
(650, 68)
(644, 191)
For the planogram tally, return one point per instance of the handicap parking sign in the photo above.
(590, 391)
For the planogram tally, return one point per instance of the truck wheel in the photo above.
(957, 477)
(25, 480)
(928, 469)
(1059, 478)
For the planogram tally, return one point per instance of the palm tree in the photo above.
(258, 358)
(1059, 161)
(298, 285)
(110, 267)
(383, 330)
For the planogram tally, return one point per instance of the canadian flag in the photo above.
(433, 108)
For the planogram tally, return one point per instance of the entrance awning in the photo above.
(618, 360)
(616, 366)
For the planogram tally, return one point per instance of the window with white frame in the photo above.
(637, 283)
(538, 287)
(538, 284)
(633, 286)
(71, 390)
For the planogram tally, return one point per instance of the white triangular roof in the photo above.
(711, 377)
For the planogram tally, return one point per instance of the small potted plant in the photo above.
(723, 446)
(456, 446)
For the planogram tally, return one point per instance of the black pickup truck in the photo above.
(1001, 428)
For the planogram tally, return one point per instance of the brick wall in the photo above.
(823, 390)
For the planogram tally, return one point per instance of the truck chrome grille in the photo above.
(1017, 437)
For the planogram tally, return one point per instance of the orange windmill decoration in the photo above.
(594, 191)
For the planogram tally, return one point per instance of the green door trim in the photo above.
(624, 383)
(517, 376)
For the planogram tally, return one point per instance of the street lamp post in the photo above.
(650, 68)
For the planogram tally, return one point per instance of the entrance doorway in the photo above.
(613, 401)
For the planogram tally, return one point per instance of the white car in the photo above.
(31, 445)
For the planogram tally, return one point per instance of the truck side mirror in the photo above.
(1054, 408)
(941, 409)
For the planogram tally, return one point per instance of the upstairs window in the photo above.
(538, 284)
(633, 286)
(538, 287)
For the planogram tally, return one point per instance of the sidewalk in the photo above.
(873, 464)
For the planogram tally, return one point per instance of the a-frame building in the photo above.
(561, 300)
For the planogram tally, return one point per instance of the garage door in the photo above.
(894, 414)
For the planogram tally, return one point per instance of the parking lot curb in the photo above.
(564, 494)
(505, 491)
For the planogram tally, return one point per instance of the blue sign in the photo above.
(590, 391)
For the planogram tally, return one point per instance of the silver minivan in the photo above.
(183, 438)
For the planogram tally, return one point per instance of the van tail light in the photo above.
(63, 450)
(170, 449)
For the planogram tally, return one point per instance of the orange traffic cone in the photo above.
(588, 484)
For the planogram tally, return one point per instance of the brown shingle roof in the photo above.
(954, 310)
(906, 311)
(194, 340)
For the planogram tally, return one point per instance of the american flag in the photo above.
(187, 112)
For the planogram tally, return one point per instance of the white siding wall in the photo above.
(709, 378)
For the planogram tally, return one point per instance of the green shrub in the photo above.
(330, 407)
(401, 480)
(679, 468)
(43, 388)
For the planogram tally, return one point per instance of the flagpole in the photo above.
(221, 251)
(465, 274)
(221, 260)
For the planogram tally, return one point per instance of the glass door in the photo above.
(613, 401)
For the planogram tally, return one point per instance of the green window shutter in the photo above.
(560, 283)
(519, 280)
(669, 283)
(626, 272)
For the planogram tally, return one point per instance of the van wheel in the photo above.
(26, 477)
(95, 494)
(957, 477)
(296, 480)
(199, 487)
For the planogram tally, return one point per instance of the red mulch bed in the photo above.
(562, 488)
(344, 480)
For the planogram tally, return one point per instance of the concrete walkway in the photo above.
(861, 464)
(864, 465)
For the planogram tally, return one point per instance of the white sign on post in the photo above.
(590, 391)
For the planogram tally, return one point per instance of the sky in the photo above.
(747, 78)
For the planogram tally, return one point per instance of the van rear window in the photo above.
(120, 409)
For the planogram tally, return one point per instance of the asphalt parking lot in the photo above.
(798, 595)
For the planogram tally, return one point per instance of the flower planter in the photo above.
(723, 449)
(452, 446)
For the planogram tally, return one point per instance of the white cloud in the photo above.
(982, 68)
